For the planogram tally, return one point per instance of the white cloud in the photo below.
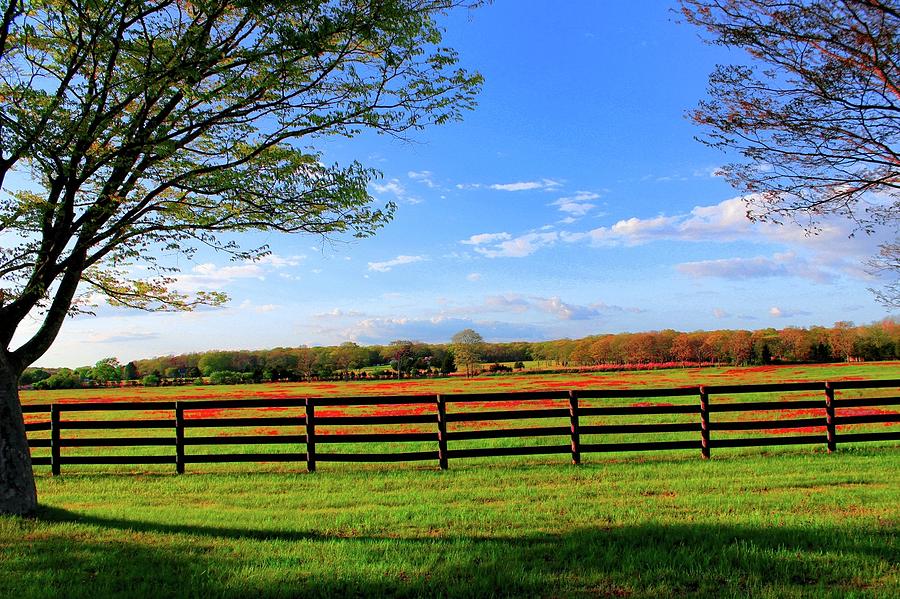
(720, 313)
(526, 185)
(473, 277)
(777, 312)
(519, 247)
(395, 188)
(209, 276)
(336, 313)
(577, 205)
(398, 261)
(829, 249)
(779, 265)
(276, 261)
(121, 337)
(517, 304)
(505, 303)
(483, 238)
(564, 311)
(423, 177)
(258, 308)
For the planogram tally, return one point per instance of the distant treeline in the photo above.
(842, 342)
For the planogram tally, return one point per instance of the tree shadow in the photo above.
(122, 557)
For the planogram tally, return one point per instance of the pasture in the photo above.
(773, 522)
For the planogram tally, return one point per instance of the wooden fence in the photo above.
(579, 407)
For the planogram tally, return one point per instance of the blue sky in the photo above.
(573, 201)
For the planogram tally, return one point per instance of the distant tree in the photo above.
(796, 343)
(448, 364)
(215, 361)
(130, 372)
(814, 112)
(106, 370)
(740, 347)
(842, 338)
(686, 347)
(467, 347)
(150, 380)
(61, 379)
(33, 375)
(306, 361)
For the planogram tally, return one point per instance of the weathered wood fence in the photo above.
(578, 406)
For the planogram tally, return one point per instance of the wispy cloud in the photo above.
(566, 311)
(423, 177)
(513, 303)
(483, 238)
(577, 205)
(398, 261)
(395, 187)
(337, 313)
(276, 261)
(210, 276)
(122, 337)
(519, 247)
(777, 312)
(258, 308)
(526, 185)
(779, 265)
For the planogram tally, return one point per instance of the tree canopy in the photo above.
(170, 125)
(146, 130)
(468, 346)
(815, 111)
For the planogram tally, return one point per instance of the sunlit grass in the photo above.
(787, 524)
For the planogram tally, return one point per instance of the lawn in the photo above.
(750, 522)
(804, 524)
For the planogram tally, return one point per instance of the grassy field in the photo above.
(789, 525)
(786, 522)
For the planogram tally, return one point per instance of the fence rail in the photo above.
(576, 406)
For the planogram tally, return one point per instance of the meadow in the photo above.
(749, 522)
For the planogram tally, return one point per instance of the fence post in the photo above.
(829, 418)
(573, 425)
(179, 438)
(442, 432)
(54, 439)
(310, 434)
(704, 423)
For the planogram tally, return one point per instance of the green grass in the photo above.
(783, 525)
(783, 522)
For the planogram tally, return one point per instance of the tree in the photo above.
(467, 348)
(106, 370)
(151, 129)
(815, 113)
(130, 371)
(842, 338)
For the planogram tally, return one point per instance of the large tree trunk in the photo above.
(18, 494)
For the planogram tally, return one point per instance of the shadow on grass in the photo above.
(63, 553)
